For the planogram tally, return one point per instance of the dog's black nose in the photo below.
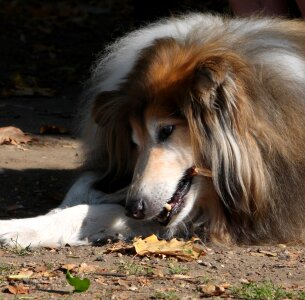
(135, 208)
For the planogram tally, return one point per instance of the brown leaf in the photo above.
(23, 88)
(18, 289)
(53, 129)
(100, 280)
(84, 268)
(120, 246)
(213, 290)
(41, 269)
(182, 250)
(14, 136)
(68, 267)
(208, 289)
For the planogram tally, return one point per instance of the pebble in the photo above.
(284, 254)
(205, 263)
(100, 258)
(289, 275)
(244, 280)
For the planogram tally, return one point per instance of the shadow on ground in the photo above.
(32, 192)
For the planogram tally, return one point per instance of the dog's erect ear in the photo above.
(106, 105)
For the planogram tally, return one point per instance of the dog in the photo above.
(192, 125)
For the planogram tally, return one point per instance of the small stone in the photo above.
(206, 264)
(244, 280)
(100, 258)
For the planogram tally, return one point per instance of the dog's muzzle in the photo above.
(135, 208)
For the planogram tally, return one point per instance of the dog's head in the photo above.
(180, 125)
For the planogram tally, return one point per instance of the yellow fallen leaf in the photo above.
(151, 245)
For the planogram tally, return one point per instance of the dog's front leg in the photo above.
(77, 225)
(83, 192)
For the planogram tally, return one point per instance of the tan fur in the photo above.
(245, 123)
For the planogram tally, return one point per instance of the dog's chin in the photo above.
(180, 204)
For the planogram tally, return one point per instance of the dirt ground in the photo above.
(45, 55)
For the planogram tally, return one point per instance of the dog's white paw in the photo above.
(13, 235)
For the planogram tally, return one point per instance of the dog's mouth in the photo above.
(176, 202)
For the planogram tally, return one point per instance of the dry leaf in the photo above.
(208, 289)
(53, 129)
(41, 269)
(18, 289)
(21, 275)
(23, 88)
(68, 267)
(84, 268)
(120, 246)
(100, 280)
(214, 290)
(225, 285)
(14, 136)
(180, 249)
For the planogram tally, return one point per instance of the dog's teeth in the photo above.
(168, 207)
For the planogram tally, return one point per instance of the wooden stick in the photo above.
(202, 172)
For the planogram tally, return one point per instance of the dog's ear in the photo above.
(211, 79)
(106, 105)
(219, 114)
(110, 112)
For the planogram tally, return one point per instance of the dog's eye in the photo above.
(164, 132)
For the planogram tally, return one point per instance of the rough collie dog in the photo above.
(192, 124)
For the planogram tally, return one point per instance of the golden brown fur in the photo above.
(246, 122)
